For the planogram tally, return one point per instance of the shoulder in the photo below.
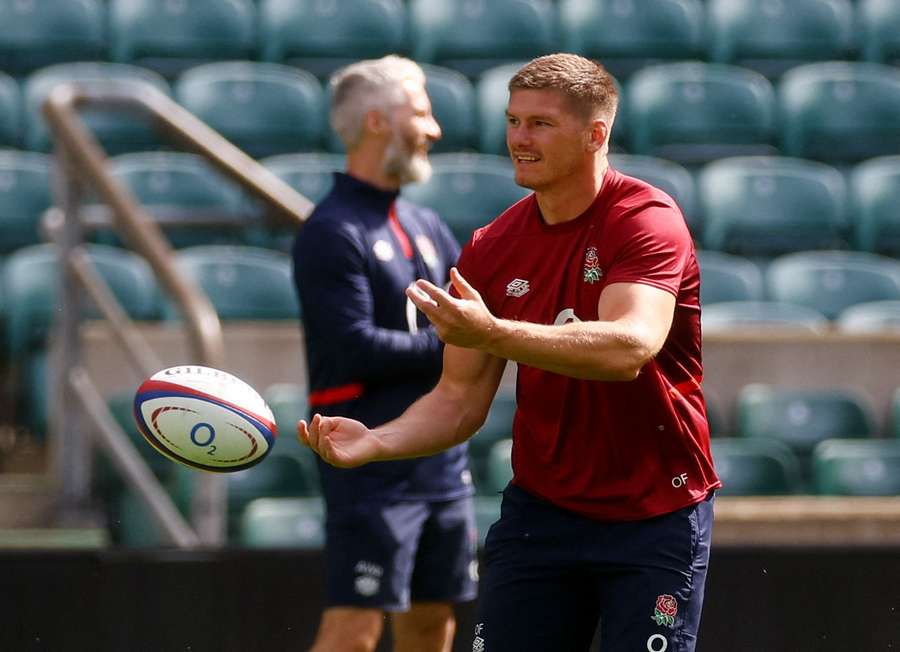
(630, 193)
(636, 206)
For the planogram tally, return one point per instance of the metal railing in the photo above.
(82, 165)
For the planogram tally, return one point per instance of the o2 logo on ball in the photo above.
(204, 418)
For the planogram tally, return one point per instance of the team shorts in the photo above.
(552, 577)
(385, 556)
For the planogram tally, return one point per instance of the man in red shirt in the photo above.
(591, 285)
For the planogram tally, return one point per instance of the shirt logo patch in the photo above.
(665, 611)
(429, 253)
(517, 287)
(592, 271)
(383, 251)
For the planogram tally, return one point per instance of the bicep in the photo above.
(646, 311)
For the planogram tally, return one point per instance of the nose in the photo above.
(517, 136)
(433, 129)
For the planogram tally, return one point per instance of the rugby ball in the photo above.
(204, 418)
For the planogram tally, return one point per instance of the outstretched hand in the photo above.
(462, 322)
(341, 442)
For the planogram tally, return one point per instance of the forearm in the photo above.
(596, 350)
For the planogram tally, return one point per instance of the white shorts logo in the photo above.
(368, 578)
(478, 643)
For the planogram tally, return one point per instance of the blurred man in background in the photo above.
(400, 535)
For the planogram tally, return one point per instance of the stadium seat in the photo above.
(487, 512)
(844, 467)
(130, 521)
(841, 112)
(668, 176)
(246, 283)
(767, 206)
(626, 36)
(879, 37)
(801, 418)
(771, 37)
(277, 476)
(870, 317)
(895, 414)
(729, 316)
(728, 278)
(177, 185)
(695, 112)
(323, 36)
(36, 391)
(24, 196)
(310, 174)
(467, 190)
(475, 35)
(297, 523)
(453, 104)
(38, 33)
(263, 108)
(492, 98)
(172, 35)
(288, 402)
(30, 279)
(498, 426)
(831, 281)
(754, 467)
(118, 132)
(498, 471)
(10, 112)
(874, 198)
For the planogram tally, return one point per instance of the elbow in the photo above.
(627, 366)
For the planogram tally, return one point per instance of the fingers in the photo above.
(462, 286)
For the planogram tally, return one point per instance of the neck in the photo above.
(567, 200)
(366, 164)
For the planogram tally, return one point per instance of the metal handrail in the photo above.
(83, 162)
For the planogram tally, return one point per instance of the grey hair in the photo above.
(366, 85)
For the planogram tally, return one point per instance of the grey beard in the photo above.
(408, 168)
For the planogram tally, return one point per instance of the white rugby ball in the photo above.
(204, 418)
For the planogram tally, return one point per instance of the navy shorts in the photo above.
(384, 556)
(552, 577)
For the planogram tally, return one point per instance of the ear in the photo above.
(376, 123)
(598, 135)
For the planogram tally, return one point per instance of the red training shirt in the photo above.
(607, 450)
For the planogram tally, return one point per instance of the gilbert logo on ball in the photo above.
(204, 418)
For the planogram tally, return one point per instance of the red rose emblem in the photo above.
(667, 605)
(666, 610)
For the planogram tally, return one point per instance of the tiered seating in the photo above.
(24, 196)
(875, 195)
(10, 111)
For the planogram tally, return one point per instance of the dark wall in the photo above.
(758, 600)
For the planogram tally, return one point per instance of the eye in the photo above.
(511, 120)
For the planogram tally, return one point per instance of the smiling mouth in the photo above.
(526, 158)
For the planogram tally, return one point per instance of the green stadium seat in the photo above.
(626, 36)
(895, 414)
(10, 112)
(487, 512)
(36, 392)
(118, 132)
(771, 37)
(879, 37)
(288, 402)
(767, 206)
(695, 112)
(762, 315)
(668, 176)
(284, 523)
(870, 317)
(841, 112)
(492, 98)
(874, 198)
(323, 36)
(755, 467)
(243, 283)
(24, 196)
(453, 105)
(844, 467)
(498, 426)
(831, 281)
(171, 36)
(277, 476)
(130, 521)
(310, 174)
(473, 36)
(498, 471)
(467, 190)
(30, 279)
(724, 277)
(801, 418)
(38, 33)
(263, 108)
(177, 185)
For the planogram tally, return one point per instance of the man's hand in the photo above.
(341, 442)
(464, 322)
